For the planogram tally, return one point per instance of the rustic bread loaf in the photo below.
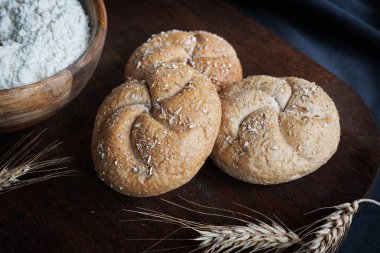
(275, 130)
(210, 54)
(153, 135)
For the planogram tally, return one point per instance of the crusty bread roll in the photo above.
(275, 130)
(206, 52)
(153, 135)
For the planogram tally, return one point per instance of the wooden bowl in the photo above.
(25, 106)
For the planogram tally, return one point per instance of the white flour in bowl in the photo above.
(39, 38)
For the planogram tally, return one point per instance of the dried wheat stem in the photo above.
(328, 235)
(19, 161)
(322, 236)
(253, 236)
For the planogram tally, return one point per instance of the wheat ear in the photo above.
(22, 159)
(327, 234)
(253, 235)
(323, 236)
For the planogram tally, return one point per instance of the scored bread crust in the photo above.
(153, 135)
(275, 130)
(208, 53)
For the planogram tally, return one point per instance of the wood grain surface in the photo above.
(81, 214)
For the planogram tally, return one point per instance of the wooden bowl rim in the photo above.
(100, 34)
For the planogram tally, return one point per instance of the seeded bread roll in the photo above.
(210, 54)
(152, 136)
(275, 130)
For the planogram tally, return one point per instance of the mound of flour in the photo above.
(39, 38)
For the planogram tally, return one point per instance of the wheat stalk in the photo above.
(327, 234)
(21, 160)
(323, 236)
(255, 235)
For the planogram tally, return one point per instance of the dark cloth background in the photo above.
(344, 37)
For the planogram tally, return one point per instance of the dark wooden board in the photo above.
(81, 214)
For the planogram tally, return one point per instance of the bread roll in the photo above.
(153, 135)
(210, 54)
(275, 130)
